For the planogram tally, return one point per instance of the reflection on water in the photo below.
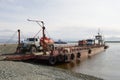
(105, 65)
(69, 66)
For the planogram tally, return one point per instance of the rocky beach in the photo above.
(10, 70)
(18, 70)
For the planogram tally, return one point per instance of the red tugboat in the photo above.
(45, 48)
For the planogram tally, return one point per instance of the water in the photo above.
(105, 65)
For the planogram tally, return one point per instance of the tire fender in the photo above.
(89, 51)
(78, 55)
(72, 56)
(65, 58)
(52, 60)
(60, 58)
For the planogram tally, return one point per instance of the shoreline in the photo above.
(15, 70)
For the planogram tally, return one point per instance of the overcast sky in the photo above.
(64, 19)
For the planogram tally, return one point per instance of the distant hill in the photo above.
(7, 41)
(113, 39)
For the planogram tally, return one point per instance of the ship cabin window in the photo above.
(36, 39)
(32, 39)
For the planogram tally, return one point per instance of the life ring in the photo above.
(72, 56)
(52, 60)
(78, 55)
(60, 58)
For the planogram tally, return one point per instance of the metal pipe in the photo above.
(18, 36)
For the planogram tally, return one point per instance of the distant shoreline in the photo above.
(112, 41)
(66, 41)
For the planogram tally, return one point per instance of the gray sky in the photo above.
(64, 19)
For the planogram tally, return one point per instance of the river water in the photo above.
(104, 65)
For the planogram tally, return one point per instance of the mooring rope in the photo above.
(11, 38)
(22, 35)
(37, 33)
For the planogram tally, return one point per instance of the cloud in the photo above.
(7, 30)
(69, 19)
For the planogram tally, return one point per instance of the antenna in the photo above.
(98, 31)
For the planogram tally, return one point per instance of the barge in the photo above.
(45, 49)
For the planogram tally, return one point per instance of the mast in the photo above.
(43, 30)
(98, 31)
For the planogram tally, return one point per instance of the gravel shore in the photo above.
(16, 70)
(10, 70)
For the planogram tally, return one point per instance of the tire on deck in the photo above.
(52, 60)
